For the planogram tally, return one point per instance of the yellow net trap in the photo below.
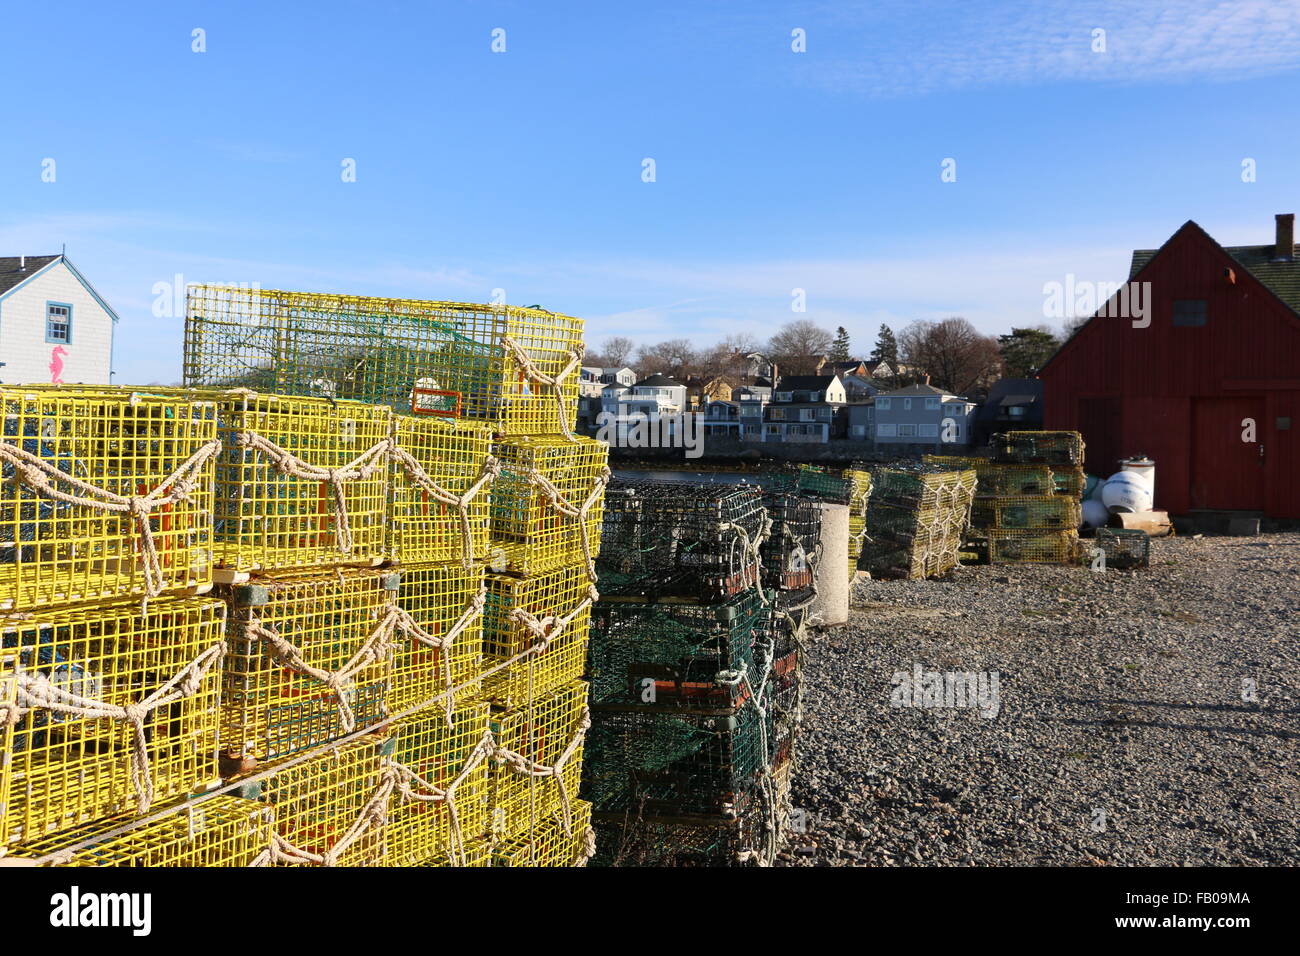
(106, 709)
(105, 494)
(547, 503)
(310, 659)
(440, 484)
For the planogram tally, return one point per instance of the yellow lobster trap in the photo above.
(106, 709)
(439, 486)
(300, 483)
(1027, 512)
(214, 831)
(515, 369)
(859, 480)
(534, 633)
(330, 809)
(439, 772)
(1033, 547)
(547, 504)
(310, 659)
(551, 843)
(537, 767)
(439, 650)
(106, 493)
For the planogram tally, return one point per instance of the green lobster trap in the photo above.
(513, 368)
(671, 655)
(1033, 547)
(1124, 548)
(1027, 512)
(667, 539)
(1039, 447)
(667, 763)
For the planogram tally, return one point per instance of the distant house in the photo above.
(621, 376)
(1206, 382)
(922, 418)
(1012, 403)
(722, 419)
(758, 366)
(809, 388)
(804, 409)
(859, 387)
(852, 367)
(54, 326)
(861, 420)
(700, 391)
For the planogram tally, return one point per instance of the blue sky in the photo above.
(522, 170)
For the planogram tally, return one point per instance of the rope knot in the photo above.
(135, 712)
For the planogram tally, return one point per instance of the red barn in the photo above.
(1221, 350)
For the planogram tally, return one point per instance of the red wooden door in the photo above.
(1227, 473)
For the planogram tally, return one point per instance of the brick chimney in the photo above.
(1285, 246)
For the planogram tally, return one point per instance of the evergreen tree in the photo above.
(840, 346)
(886, 349)
(1025, 351)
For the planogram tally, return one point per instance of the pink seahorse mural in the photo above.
(56, 364)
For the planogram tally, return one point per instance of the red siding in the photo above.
(1143, 382)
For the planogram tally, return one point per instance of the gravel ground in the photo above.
(1119, 691)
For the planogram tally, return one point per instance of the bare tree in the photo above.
(952, 352)
(798, 346)
(616, 351)
(676, 358)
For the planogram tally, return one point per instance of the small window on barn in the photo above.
(58, 323)
(1189, 312)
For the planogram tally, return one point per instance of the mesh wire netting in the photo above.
(665, 538)
(423, 356)
(1039, 447)
(1033, 547)
(915, 520)
(670, 655)
(1049, 512)
(790, 551)
(1124, 548)
(669, 763)
(60, 768)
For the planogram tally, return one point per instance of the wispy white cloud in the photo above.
(886, 48)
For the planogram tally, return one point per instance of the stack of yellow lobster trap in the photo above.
(325, 605)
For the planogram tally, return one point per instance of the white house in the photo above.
(54, 327)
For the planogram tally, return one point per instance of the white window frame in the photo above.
(882, 404)
(932, 404)
(907, 431)
(886, 431)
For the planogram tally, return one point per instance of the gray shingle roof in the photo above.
(1280, 278)
(10, 275)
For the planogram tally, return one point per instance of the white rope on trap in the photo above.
(361, 468)
(43, 478)
(579, 512)
(38, 692)
(533, 769)
(555, 382)
(415, 471)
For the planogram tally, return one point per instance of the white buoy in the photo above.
(1095, 514)
(1126, 491)
(831, 606)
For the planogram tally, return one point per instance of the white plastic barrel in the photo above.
(1143, 466)
(1095, 514)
